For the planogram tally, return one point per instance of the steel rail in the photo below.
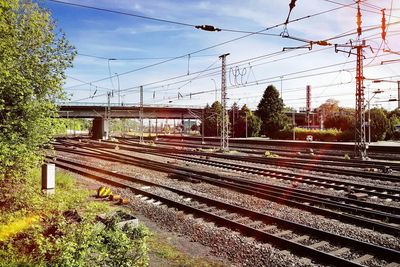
(389, 254)
(274, 193)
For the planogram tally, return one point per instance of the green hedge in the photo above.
(329, 135)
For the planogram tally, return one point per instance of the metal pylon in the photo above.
(360, 141)
(224, 124)
(141, 116)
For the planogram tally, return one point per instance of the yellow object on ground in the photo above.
(104, 191)
(17, 226)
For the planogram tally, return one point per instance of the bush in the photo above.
(61, 230)
(318, 135)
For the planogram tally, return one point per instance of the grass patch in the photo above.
(269, 154)
(209, 150)
(164, 250)
(61, 230)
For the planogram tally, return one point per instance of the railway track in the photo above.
(321, 246)
(365, 214)
(310, 164)
(327, 148)
(317, 180)
(320, 154)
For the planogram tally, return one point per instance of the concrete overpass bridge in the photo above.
(101, 113)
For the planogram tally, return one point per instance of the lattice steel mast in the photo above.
(141, 116)
(360, 140)
(224, 124)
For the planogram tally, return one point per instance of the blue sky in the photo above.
(114, 36)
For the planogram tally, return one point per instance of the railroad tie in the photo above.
(269, 227)
(255, 223)
(221, 213)
(319, 244)
(393, 264)
(339, 251)
(242, 220)
(230, 216)
(362, 259)
(300, 238)
(201, 206)
(208, 209)
(283, 233)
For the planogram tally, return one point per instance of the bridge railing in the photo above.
(85, 104)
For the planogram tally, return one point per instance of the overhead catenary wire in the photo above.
(208, 75)
(362, 9)
(216, 45)
(346, 34)
(277, 78)
(131, 89)
(136, 58)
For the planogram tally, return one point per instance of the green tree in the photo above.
(394, 120)
(329, 108)
(379, 124)
(343, 119)
(33, 58)
(233, 119)
(212, 119)
(270, 111)
(253, 123)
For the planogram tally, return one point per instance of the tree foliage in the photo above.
(329, 108)
(394, 120)
(33, 58)
(379, 124)
(343, 119)
(270, 111)
(253, 123)
(212, 119)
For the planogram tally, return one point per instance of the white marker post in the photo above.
(48, 178)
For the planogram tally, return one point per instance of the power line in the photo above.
(346, 34)
(134, 59)
(216, 45)
(232, 64)
(277, 78)
(268, 55)
(362, 9)
(122, 13)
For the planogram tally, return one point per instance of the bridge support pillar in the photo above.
(156, 130)
(100, 129)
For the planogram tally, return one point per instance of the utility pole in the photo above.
(224, 129)
(360, 146)
(360, 142)
(141, 116)
(398, 94)
(308, 104)
(119, 90)
(233, 123)
(246, 125)
(294, 124)
(107, 117)
(202, 126)
(156, 130)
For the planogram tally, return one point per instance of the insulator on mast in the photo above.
(291, 6)
(383, 34)
(359, 30)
